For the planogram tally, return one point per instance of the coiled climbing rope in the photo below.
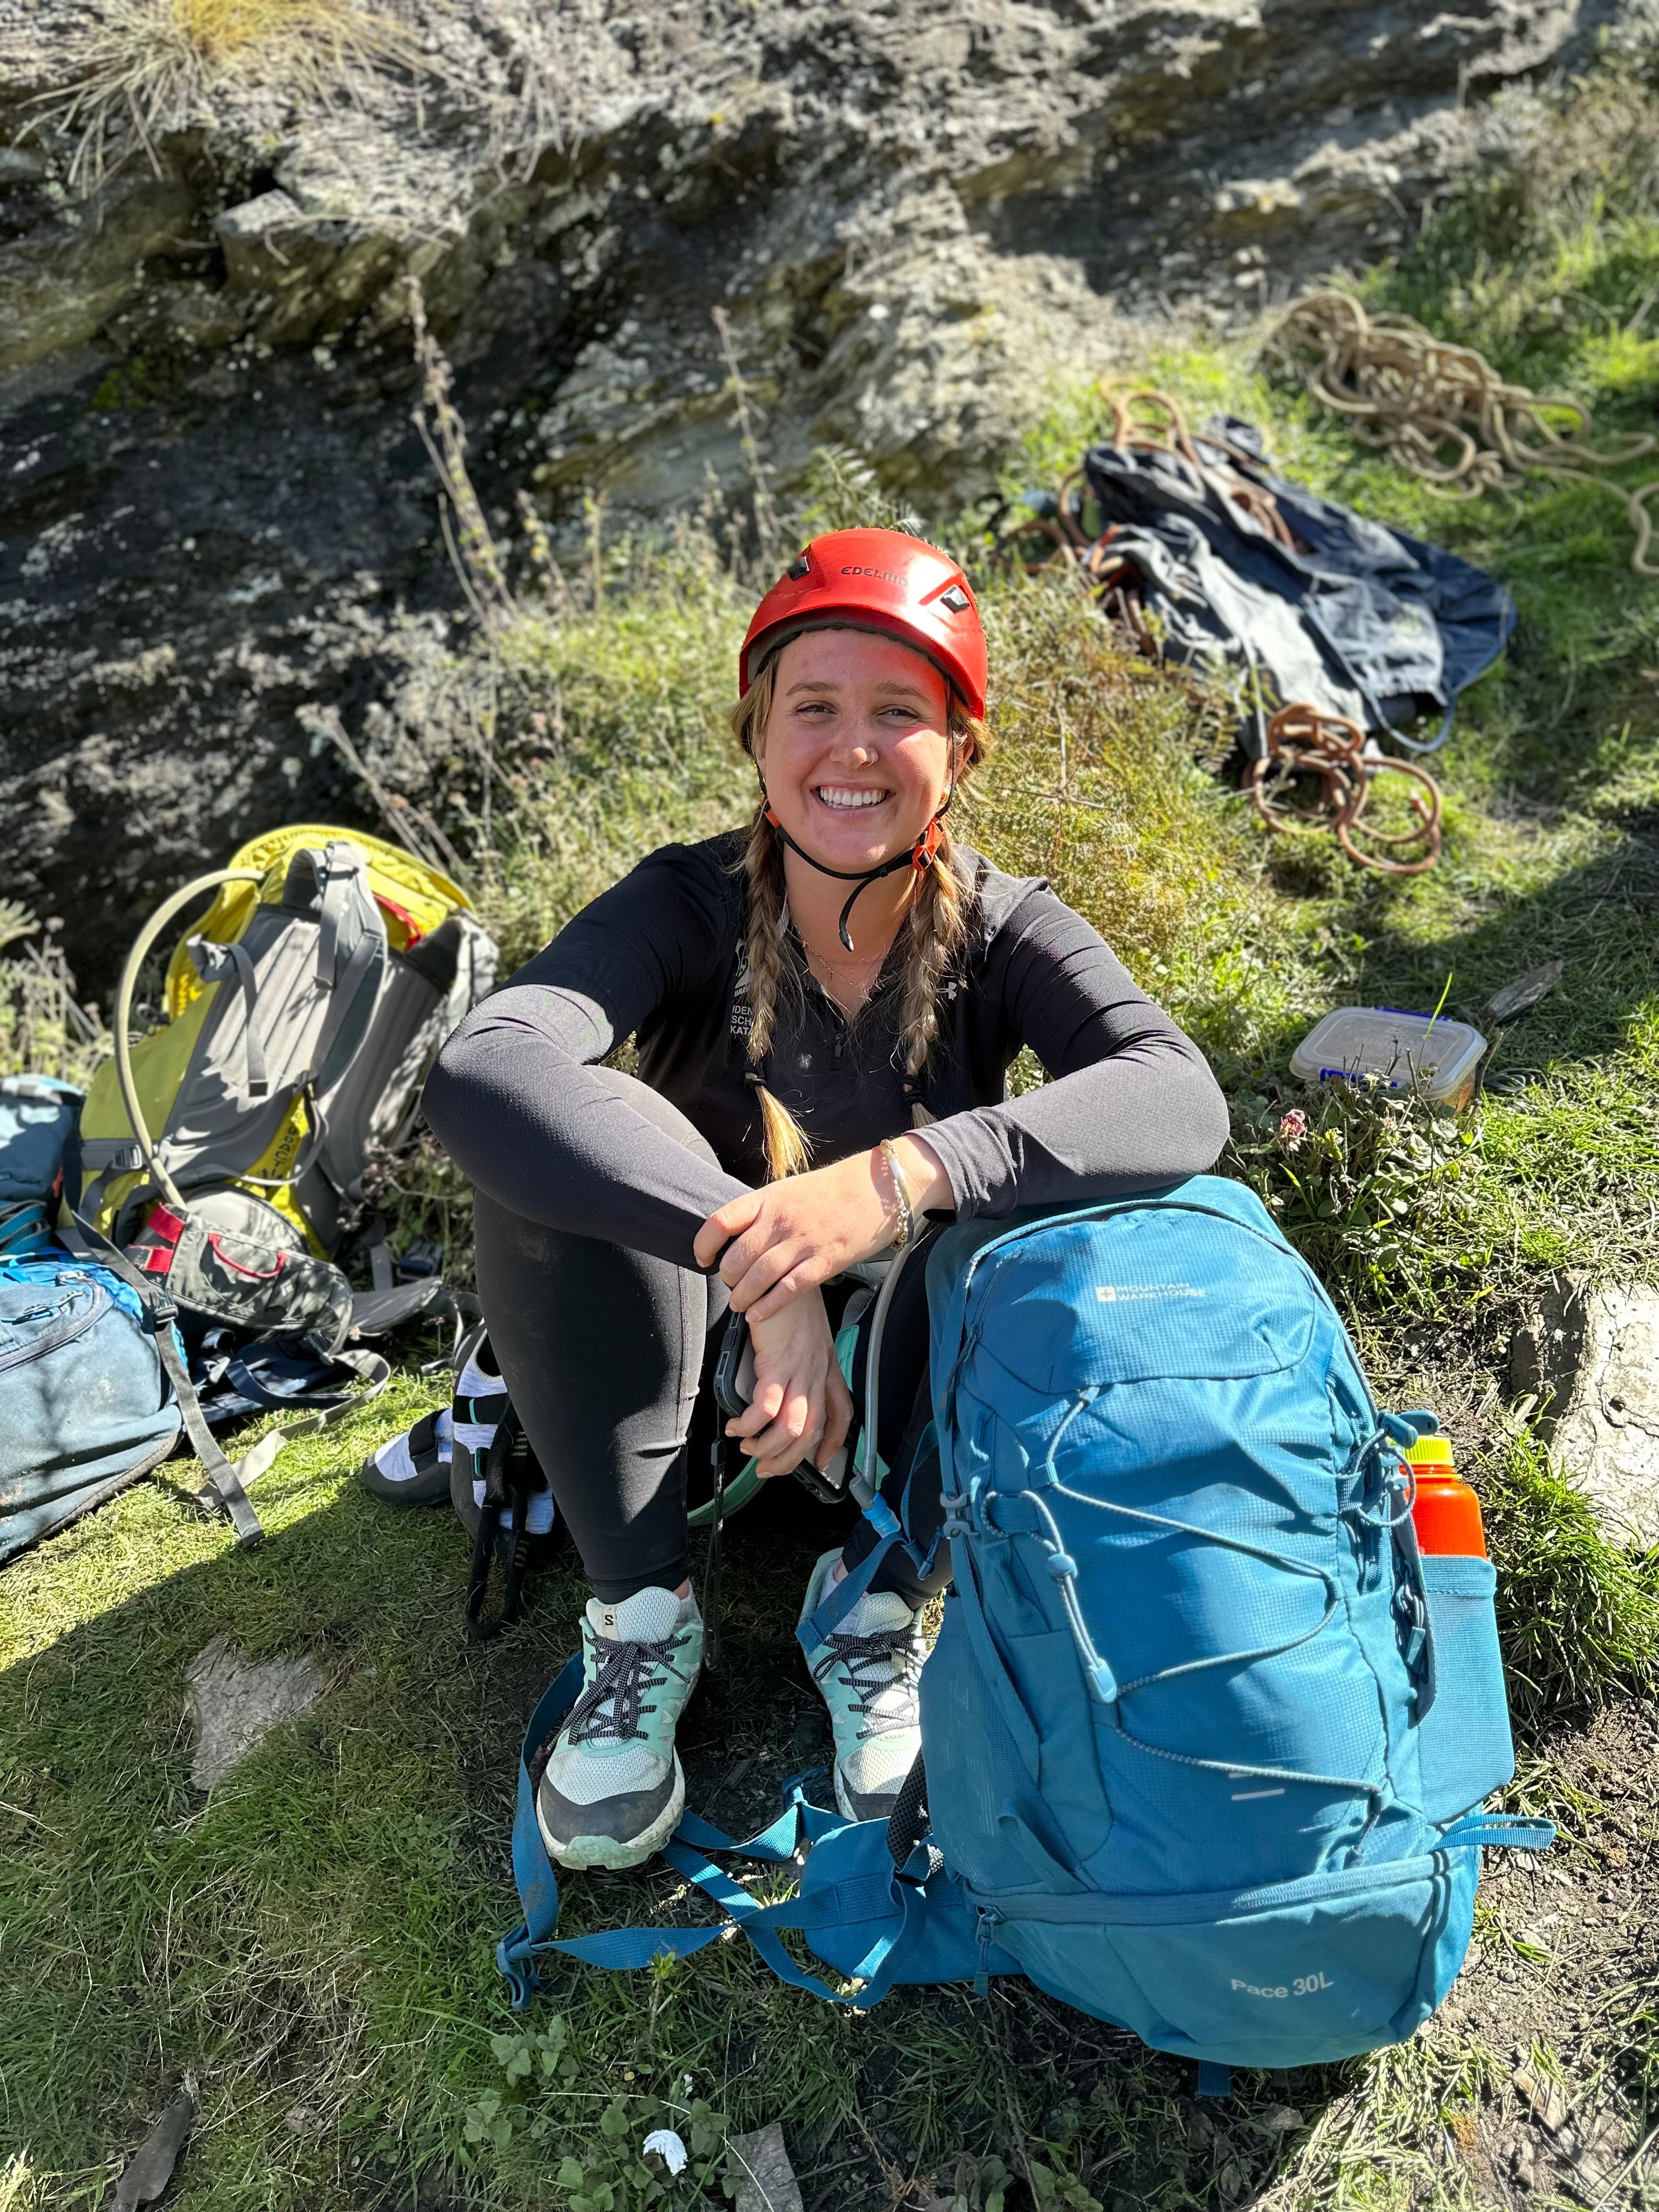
(1443, 412)
(1327, 750)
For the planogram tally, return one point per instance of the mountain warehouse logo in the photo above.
(1117, 1294)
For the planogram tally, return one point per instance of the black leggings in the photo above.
(608, 1357)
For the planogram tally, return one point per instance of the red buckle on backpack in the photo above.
(165, 1228)
(165, 1225)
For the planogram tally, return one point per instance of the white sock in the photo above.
(539, 1514)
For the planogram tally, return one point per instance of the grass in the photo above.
(142, 69)
(1578, 1616)
(226, 31)
(312, 1940)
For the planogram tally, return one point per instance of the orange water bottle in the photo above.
(1445, 1511)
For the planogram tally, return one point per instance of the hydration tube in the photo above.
(141, 944)
(863, 1483)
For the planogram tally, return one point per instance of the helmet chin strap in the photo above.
(921, 856)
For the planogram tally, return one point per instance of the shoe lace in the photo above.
(867, 1664)
(620, 1678)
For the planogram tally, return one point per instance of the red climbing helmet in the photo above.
(880, 580)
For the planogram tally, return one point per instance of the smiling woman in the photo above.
(825, 1007)
(859, 741)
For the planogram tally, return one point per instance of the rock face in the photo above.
(1592, 1359)
(213, 510)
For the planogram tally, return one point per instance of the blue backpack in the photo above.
(40, 1158)
(1205, 1737)
(86, 1404)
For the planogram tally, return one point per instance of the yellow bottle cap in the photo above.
(1430, 1451)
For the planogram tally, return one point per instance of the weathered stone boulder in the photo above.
(213, 512)
(1590, 1359)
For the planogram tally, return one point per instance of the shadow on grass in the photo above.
(1596, 916)
(313, 1940)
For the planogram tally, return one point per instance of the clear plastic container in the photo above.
(1400, 1049)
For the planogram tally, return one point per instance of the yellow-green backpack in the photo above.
(302, 1014)
(224, 1151)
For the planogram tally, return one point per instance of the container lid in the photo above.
(1398, 1048)
(1431, 1452)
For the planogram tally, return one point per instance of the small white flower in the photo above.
(668, 2147)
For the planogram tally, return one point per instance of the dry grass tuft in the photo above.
(224, 31)
(146, 67)
(42, 1023)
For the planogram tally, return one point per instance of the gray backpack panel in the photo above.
(314, 1001)
(298, 995)
(236, 1262)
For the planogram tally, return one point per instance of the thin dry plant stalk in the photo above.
(767, 528)
(43, 1029)
(470, 546)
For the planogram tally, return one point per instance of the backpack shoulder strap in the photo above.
(224, 1486)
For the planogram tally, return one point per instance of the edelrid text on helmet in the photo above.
(882, 580)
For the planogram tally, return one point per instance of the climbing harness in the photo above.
(512, 1476)
(1444, 413)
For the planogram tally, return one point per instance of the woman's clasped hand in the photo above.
(801, 1408)
(776, 1246)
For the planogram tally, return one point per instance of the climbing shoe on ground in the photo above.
(413, 1468)
(869, 1672)
(613, 1790)
(481, 1405)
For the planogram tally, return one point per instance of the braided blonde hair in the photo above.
(939, 926)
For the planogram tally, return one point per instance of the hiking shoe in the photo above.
(869, 1672)
(413, 1468)
(614, 1790)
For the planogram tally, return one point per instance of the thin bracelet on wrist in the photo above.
(907, 1219)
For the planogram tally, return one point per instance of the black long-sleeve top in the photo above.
(1130, 1103)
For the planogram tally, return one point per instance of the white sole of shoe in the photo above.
(616, 1854)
